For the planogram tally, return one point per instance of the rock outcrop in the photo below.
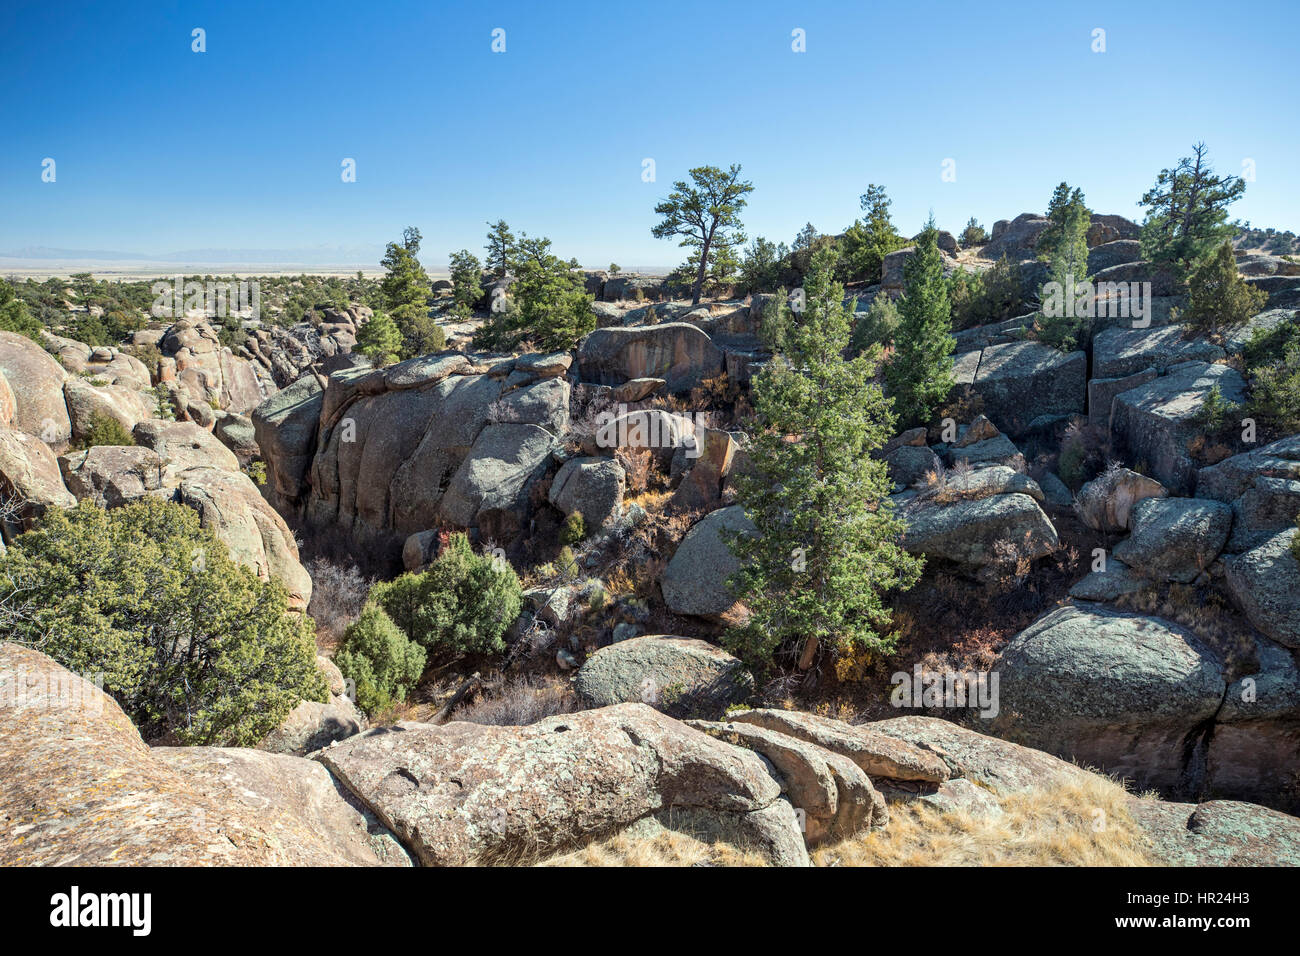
(679, 353)
(680, 676)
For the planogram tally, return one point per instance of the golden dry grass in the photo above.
(666, 848)
(1085, 823)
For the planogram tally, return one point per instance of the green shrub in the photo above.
(1218, 299)
(462, 603)
(574, 529)
(106, 430)
(877, 327)
(190, 643)
(382, 661)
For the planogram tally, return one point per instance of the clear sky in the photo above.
(159, 149)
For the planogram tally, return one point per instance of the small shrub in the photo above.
(1219, 300)
(201, 652)
(521, 701)
(463, 602)
(106, 430)
(877, 327)
(382, 661)
(574, 529)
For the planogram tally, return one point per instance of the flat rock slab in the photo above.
(1175, 539)
(1120, 352)
(461, 793)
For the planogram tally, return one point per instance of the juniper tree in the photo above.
(379, 340)
(919, 373)
(466, 278)
(1219, 300)
(870, 239)
(705, 213)
(815, 576)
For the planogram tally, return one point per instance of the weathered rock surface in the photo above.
(29, 473)
(184, 445)
(834, 794)
(694, 582)
(35, 380)
(228, 503)
(875, 753)
(85, 402)
(82, 788)
(1127, 693)
(1120, 352)
(680, 676)
(1020, 381)
(1265, 581)
(313, 725)
(462, 793)
(1175, 539)
(591, 486)
(677, 352)
(112, 475)
(1157, 420)
(1105, 503)
(979, 532)
(284, 427)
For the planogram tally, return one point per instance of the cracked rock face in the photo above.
(462, 793)
(1131, 694)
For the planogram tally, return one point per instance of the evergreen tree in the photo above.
(705, 214)
(500, 248)
(870, 239)
(1187, 211)
(814, 577)
(379, 340)
(466, 278)
(1064, 246)
(919, 373)
(405, 289)
(1219, 300)
(973, 234)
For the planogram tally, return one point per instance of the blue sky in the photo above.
(160, 149)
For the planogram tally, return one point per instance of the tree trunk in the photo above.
(809, 653)
(699, 273)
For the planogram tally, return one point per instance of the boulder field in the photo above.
(81, 788)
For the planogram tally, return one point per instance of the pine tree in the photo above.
(1064, 246)
(500, 248)
(466, 278)
(1187, 211)
(379, 340)
(814, 577)
(920, 372)
(871, 238)
(405, 290)
(705, 214)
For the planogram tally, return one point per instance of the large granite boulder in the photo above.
(184, 445)
(1265, 581)
(1021, 381)
(1158, 420)
(82, 789)
(284, 427)
(978, 532)
(1130, 694)
(1175, 539)
(681, 676)
(127, 406)
(427, 442)
(29, 475)
(1119, 352)
(695, 580)
(678, 352)
(834, 795)
(1113, 253)
(35, 381)
(1105, 503)
(593, 487)
(229, 504)
(112, 475)
(463, 793)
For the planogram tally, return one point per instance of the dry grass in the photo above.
(521, 701)
(1085, 823)
(667, 848)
